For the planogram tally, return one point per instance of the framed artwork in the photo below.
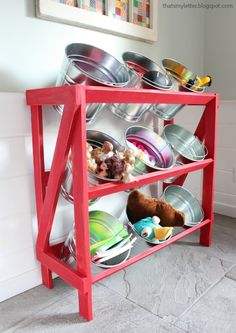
(135, 19)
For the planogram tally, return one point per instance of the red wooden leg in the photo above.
(39, 174)
(46, 277)
(209, 122)
(81, 216)
(85, 305)
(207, 204)
(206, 234)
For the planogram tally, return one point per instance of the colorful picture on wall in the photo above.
(141, 12)
(72, 3)
(119, 9)
(135, 19)
(97, 6)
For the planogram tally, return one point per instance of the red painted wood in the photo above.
(128, 95)
(109, 188)
(146, 253)
(81, 217)
(200, 130)
(72, 134)
(168, 122)
(209, 172)
(39, 174)
(61, 95)
(55, 178)
(67, 273)
(52, 96)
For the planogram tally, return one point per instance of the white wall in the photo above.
(225, 192)
(220, 60)
(31, 55)
(220, 49)
(32, 49)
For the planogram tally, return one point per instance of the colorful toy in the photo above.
(92, 165)
(101, 154)
(142, 153)
(111, 164)
(140, 206)
(102, 169)
(150, 229)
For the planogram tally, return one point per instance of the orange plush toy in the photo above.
(140, 206)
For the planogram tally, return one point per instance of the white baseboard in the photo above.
(20, 283)
(225, 209)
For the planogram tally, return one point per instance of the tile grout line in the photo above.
(186, 310)
(18, 324)
(204, 293)
(228, 277)
(142, 307)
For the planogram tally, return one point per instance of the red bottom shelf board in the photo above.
(147, 252)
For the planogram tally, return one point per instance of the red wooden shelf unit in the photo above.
(72, 135)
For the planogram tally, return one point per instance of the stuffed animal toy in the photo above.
(110, 164)
(140, 206)
(101, 154)
(102, 170)
(150, 229)
(116, 167)
(92, 165)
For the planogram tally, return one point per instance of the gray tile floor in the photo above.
(182, 288)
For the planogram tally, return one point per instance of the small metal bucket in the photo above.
(185, 77)
(88, 65)
(102, 227)
(162, 111)
(183, 200)
(157, 79)
(67, 185)
(153, 77)
(130, 112)
(96, 139)
(187, 147)
(172, 179)
(155, 146)
(166, 111)
(92, 109)
(140, 63)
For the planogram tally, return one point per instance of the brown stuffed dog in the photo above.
(140, 206)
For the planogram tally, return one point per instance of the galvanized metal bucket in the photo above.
(88, 65)
(92, 109)
(159, 150)
(96, 139)
(130, 112)
(152, 76)
(166, 111)
(172, 179)
(187, 147)
(183, 200)
(103, 226)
